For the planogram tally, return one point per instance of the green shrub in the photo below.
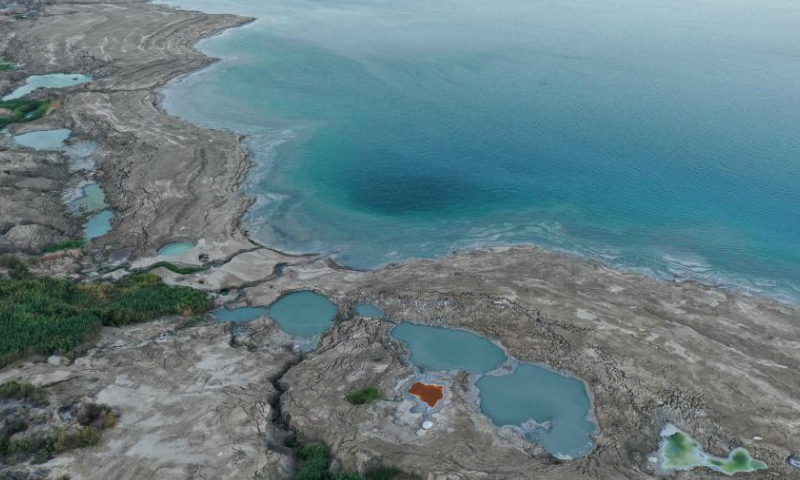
(65, 245)
(48, 315)
(348, 476)
(364, 396)
(25, 392)
(7, 66)
(382, 473)
(24, 110)
(179, 269)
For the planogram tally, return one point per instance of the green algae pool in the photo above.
(447, 349)
(53, 80)
(551, 409)
(679, 451)
(303, 314)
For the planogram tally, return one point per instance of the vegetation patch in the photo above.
(65, 245)
(7, 66)
(23, 110)
(53, 316)
(314, 460)
(364, 396)
(24, 392)
(32, 430)
(179, 269)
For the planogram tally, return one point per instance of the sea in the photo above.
(656, 136)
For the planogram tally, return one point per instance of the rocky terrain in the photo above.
(196, 401)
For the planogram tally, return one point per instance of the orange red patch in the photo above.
(430, 394)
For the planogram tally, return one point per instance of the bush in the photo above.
(23, 110)
(364, 396)
(24, 392)
(179, 269)
(65, 245)
(382, 473)
(48, 315)
(348, 476)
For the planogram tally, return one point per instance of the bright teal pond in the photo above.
(445, 349)
(304, 314)
(175, 249)
(43, 139)
(557, 403)
(98, 225)
(91, 199)
(239, 315)
(53, 80)
(366, 310)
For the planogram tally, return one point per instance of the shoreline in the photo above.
(648, 350)
(746, 287)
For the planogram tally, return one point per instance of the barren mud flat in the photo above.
(214, 400)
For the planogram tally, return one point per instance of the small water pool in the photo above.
(557, 402)
(175, 249)
(445, 349)
(98, 225)
(43, 139)
(239, 315)
(679, 451)
(366, 310)
(53, 80)
(428, 393)
(91, 199)
(304, 314)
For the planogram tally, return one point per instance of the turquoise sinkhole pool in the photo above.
(446, 349)
(175, 249)
(91, 199)
(53, 80)
(43, 139)
(304, 314)
(98, 225)
(239, 315)
(366, 310)
(559, 406)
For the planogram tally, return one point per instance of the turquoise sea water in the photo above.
(558, 404)
(660, 136)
